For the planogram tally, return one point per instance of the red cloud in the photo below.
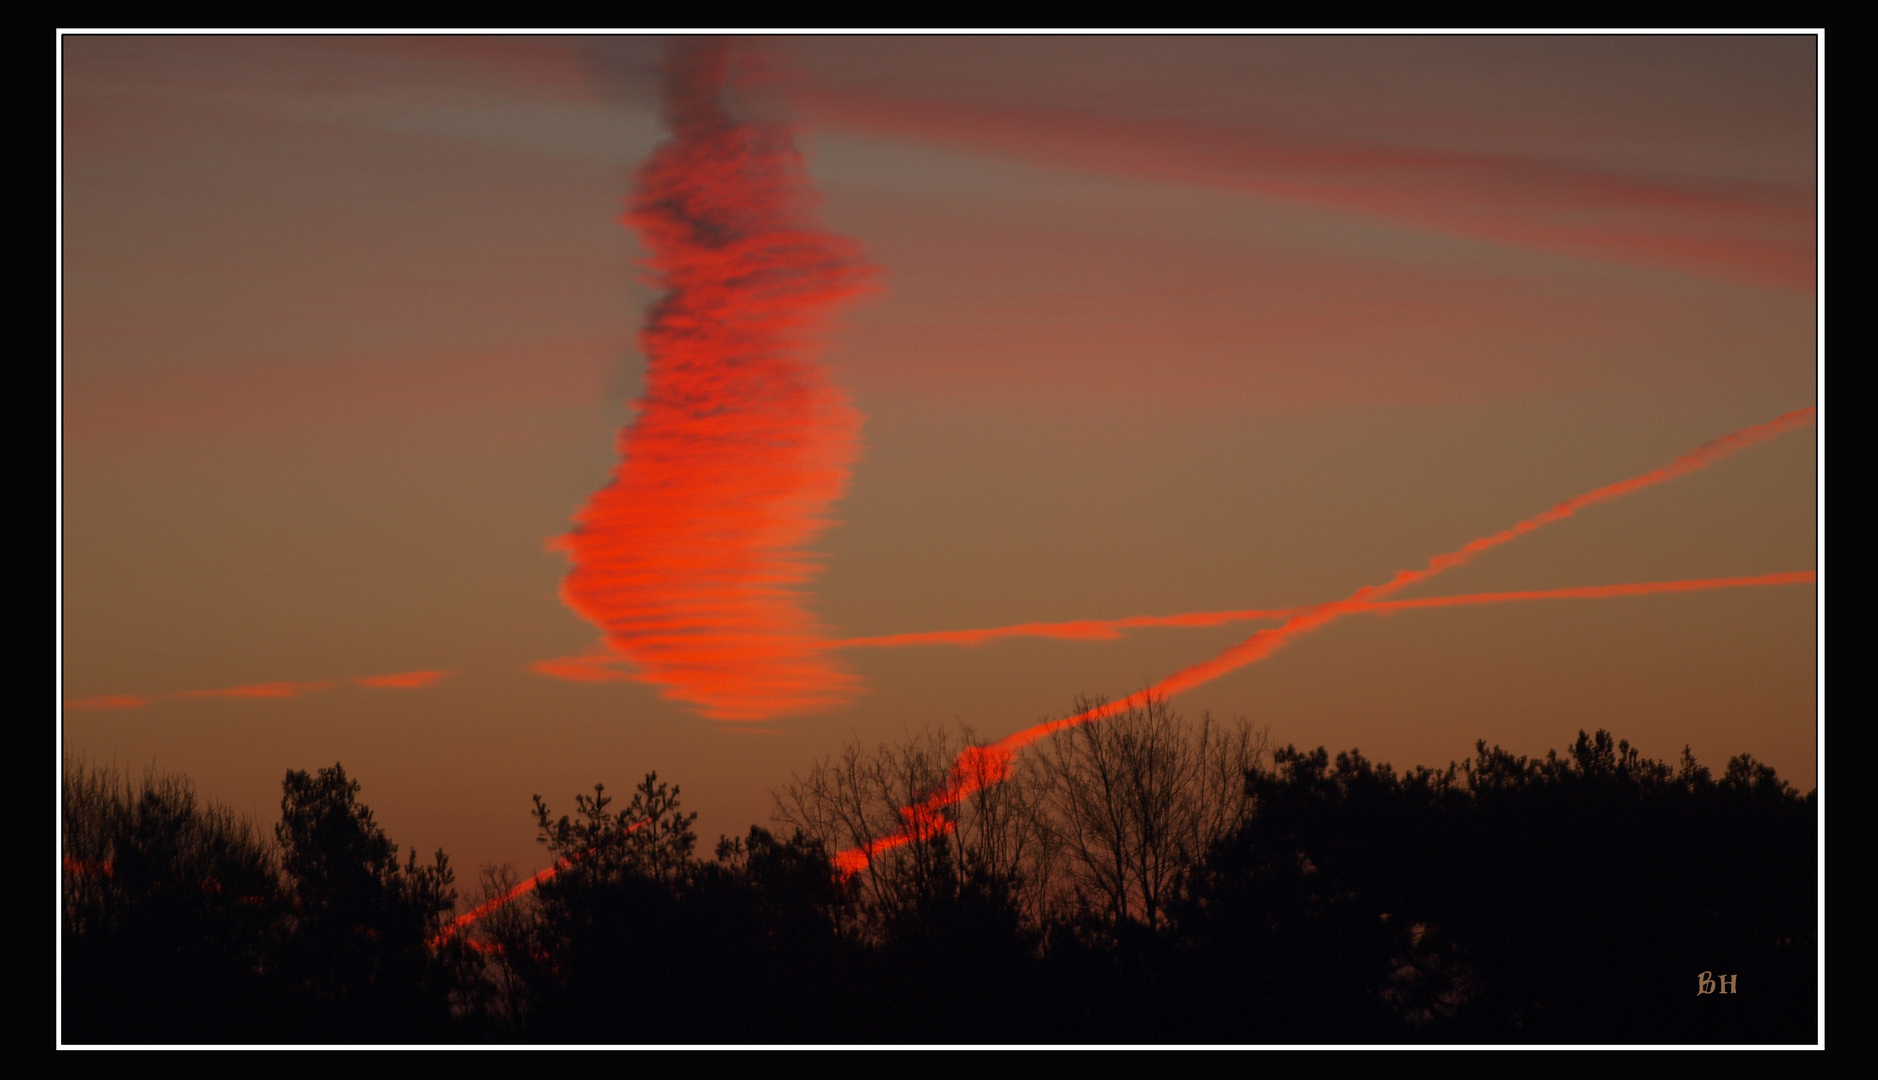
(692, 559)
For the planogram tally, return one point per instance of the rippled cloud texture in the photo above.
(692, 558)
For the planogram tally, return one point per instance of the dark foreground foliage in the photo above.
(1573, 898)
(182, 924)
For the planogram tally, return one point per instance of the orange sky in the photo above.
(1164, 325)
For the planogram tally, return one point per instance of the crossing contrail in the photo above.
(981, 765)
(1111, 629)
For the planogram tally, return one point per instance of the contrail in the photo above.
(1077, 630)
(979, 766)
(488, 907)
(1594, 592)
(257, 690)
(595, 666)
(403, 680)
(480, 911)
(691, 558)
(982, 765)
(1111, 629)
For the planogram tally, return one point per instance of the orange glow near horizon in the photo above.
(969, 774)
(692, 558)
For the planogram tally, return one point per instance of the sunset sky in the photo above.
(1071, 329)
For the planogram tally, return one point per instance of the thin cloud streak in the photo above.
(594, 666)
(1074, 630)
(257, 690)
(1111, 629)
(403, 680)
(1595, 592)
(1763, 237)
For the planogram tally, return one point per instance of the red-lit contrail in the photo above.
(1111, 629)
(963, 780)
(488, 907)
(980, 766)
(691, 559)
(483, 910)
(597, 666)
(257, 690)
(402, 680)
(1076, 630)
(1593, 592)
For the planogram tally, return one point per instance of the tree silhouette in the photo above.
(1574, 897)
(360, 953)
(172, 915)
(1566, 898)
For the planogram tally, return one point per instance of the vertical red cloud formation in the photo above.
(971, 771)
(691, 559)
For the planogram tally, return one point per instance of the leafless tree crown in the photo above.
(1100, 821)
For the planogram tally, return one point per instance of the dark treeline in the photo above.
(1137, 880)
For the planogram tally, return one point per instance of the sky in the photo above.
(408, 422)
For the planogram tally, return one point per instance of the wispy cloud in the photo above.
(402, 680)
(1759, 235)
